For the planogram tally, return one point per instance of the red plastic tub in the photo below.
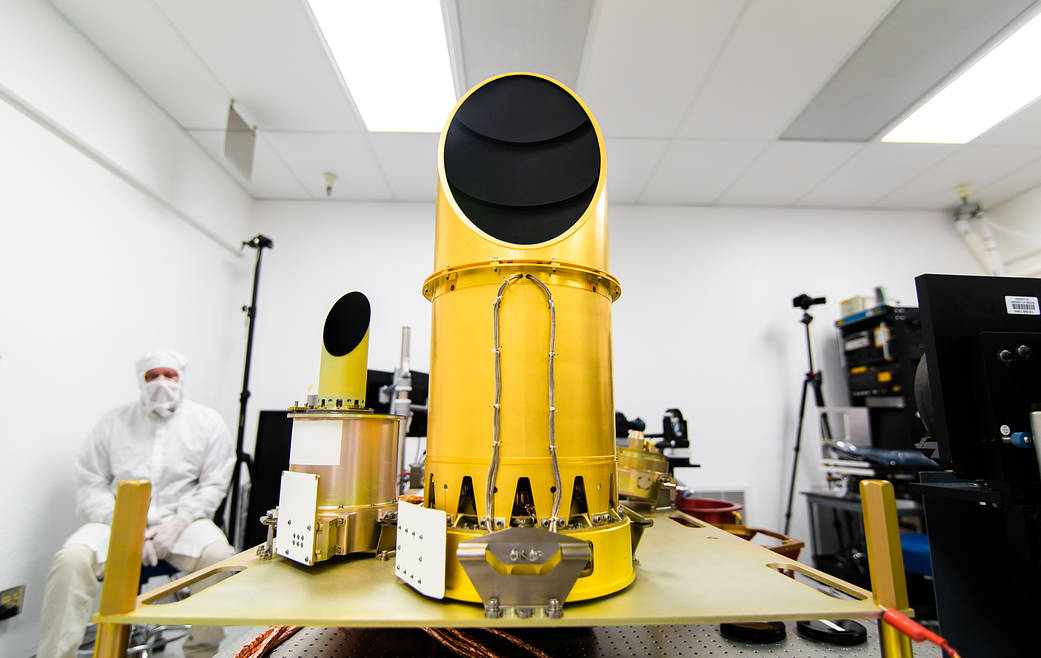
(710, 510)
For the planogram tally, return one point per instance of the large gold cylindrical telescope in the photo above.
(521, 409)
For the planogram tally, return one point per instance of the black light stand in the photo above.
(813, 380)
(840, 631)
(258, 242)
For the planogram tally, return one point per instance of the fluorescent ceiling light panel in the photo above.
(394, 58)
(1000, 83)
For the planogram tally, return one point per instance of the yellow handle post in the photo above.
(886, 561)
(123, 565)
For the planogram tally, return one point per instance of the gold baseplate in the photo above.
(685, 575)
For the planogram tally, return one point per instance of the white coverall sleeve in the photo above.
(95, 501)
(214, 476)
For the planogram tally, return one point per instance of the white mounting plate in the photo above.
(419, 557)
(297, 509)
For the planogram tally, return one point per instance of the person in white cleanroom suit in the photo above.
(185, 450)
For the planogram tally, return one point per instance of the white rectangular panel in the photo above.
(297, 509)
(419, 558)
(316, 442)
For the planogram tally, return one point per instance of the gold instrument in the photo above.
(521, 410)
(643, 473)
(342, 477)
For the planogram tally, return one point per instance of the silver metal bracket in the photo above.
(266, 551)
(523, 569)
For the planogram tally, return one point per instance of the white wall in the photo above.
(48, 68)
(1020, 248)
(321, 251)
(705, 321)
(115, 231)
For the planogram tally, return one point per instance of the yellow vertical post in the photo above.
(886, 561)
(123, 565)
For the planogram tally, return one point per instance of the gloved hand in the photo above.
(148, 556)
(165, 534)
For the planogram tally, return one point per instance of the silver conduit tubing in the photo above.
(493, 467)
(552, 406)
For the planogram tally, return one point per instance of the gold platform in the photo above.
(685, 576)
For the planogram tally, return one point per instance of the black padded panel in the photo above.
(346, 324)
(524, 224)
(530, 174)
(522, 159)
(521, 108)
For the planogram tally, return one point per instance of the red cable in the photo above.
(916, 631)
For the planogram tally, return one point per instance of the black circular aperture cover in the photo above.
(522, 159)
(346, 324)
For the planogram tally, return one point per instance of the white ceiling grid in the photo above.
(646, 60)
(272, 178)
(630, 163)
(697, 173)
(780, 55)
(348, 155)
(692, 96)
(539, 36)
(980, 164)
(873, 172)
(786, 171)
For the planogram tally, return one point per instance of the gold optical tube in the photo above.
(521, 408)
(342, 477)
(345, 353)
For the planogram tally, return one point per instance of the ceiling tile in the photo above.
(1021, 129)
(536, 36)
(645, 60)
(1011, 185)
(786, 171)
(409, 161)
(780, 55)
(875, 171)
(271, 178)
(918, 45)
(138, 38)
(629, 165)
(975, 165)
(697, 172)
(270, 58)
(309, 155)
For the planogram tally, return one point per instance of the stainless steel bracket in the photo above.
(523, 569)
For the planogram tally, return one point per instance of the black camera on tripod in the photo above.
(804, 301)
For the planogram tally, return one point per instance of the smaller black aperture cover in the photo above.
(346, 324)
(522, 159)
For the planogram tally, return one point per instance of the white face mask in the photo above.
(162, 396)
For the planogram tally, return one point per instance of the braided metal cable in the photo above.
(552, 406)
(493, 466)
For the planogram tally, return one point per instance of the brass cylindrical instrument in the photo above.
(355, 493)
(643, 473)
(521, 410)
(342, 477)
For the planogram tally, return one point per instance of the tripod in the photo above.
(812, 379)
(259, 242)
